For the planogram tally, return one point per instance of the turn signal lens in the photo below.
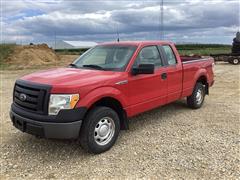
(74, 100)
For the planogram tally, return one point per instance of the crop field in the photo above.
(203, 49)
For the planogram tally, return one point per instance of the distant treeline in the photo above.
(201, 46)
(184, 49)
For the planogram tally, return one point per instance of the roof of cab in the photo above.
(136, 43)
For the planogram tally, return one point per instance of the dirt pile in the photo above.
(32, 55)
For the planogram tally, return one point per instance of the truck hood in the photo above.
(72, 77)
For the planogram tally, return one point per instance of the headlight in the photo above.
(61, 101)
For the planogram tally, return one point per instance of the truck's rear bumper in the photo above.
(47, 129)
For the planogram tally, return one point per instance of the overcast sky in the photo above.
(207, 21)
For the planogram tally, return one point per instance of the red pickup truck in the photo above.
(93, 97)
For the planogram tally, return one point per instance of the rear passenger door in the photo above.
(173, 72)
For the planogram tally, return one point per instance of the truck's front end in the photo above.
(36, 111)
(64, 103)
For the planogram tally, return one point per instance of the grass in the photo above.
(5, 51)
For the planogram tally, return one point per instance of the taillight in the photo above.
(213, 67)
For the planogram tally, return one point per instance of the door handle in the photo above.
(164, 76)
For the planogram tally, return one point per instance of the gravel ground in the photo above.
(169, 142)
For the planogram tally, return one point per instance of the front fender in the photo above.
(99, 93)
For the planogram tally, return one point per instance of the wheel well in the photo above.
(203, 80)
(116, 106)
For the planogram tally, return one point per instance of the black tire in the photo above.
(192, 101)
(88, 129)
(236, 46)
(235, 50)
(235, 40)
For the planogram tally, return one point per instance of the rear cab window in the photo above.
(169, 55)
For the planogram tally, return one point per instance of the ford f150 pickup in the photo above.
(93, 97)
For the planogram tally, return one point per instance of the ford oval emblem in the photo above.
(23, 97)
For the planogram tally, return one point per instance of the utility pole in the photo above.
(161, 21)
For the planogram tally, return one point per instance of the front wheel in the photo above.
(196, 100)
(100, 130)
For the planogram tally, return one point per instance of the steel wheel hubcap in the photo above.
(235, 61)
(104, 131)
(199, 96)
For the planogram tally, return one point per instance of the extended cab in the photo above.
(93, 97)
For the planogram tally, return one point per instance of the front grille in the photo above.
(31, 96)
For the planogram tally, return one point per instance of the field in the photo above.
(186, 49)
(203, 49)
(171, 142)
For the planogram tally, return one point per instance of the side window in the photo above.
(169, 55)
(148, 55)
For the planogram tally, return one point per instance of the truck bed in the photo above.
(194, 66)
(186, 59)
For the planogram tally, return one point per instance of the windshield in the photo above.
(105, 57)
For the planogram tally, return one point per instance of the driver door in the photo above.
(147, 91)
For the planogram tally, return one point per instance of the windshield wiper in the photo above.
(93, 66)
(73, 65)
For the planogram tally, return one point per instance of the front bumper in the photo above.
(58, 128)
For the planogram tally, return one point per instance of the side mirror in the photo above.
(143, 69)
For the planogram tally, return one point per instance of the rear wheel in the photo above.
(196, 100)
(100, 130)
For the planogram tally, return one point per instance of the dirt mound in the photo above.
(32, 55)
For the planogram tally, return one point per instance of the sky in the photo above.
(185, 21)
